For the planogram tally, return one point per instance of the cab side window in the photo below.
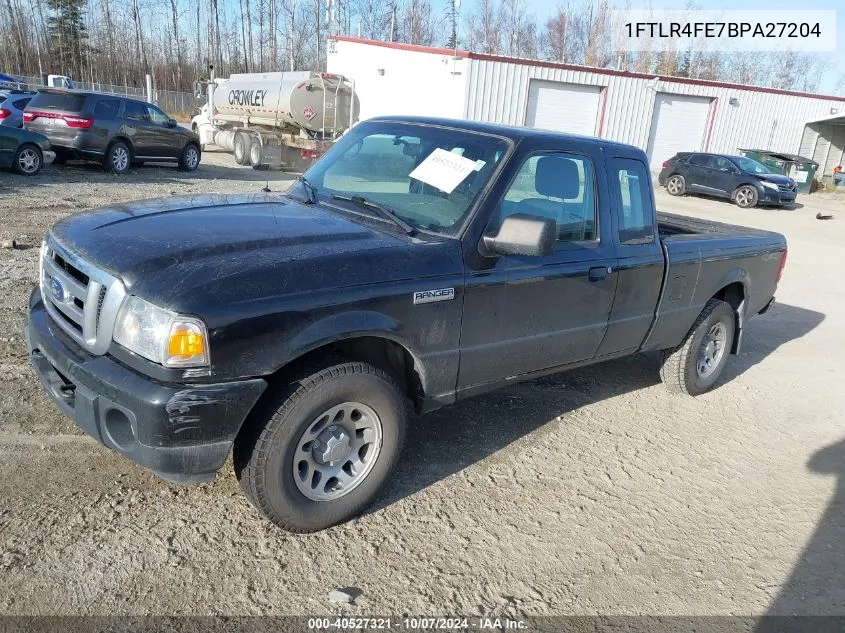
(558, 186)
(635, 214)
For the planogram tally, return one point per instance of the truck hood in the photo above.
(186, 253)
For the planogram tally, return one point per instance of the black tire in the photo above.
(264, 455)
(256, 155)
(118, 159)
(28, 160)
(745, 197)
(676, 185)
(242, 143)
(190, 158)
(680, 368)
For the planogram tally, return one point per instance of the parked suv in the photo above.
(12, 104)
(114, 130)
(745, 181)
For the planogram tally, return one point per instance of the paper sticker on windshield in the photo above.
(443, 170)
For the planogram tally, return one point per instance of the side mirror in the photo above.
(172, 123)
(521, 234)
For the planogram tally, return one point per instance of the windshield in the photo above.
(428, 176)
(751, 166)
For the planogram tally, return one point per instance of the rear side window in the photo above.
(2, 98)
(701, 160)
(107, 109)
(635, 213)
(20, 104)
(58, 101)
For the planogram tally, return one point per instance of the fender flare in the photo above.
(350, 325)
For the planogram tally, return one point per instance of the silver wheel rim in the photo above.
(120, 158)
(743, 197)
(712, 349)
(28, 161)
(239, 150)
(255, 154)
(337, 451)
(191, 158)
(674, 185)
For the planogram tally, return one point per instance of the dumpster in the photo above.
(802, 170)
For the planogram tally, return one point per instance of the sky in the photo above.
(543, 8)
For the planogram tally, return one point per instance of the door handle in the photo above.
(599, 273)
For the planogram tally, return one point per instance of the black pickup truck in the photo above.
(419, 262)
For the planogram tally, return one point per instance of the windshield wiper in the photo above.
(311, 189)
(383, 211)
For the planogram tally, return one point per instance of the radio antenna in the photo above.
(266, 188)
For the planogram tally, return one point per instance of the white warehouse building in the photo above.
(662, 115)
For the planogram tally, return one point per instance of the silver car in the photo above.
(12, 103)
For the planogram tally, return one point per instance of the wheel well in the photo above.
(383, 353)
(122, 139)
(740, 186)
(732, 294)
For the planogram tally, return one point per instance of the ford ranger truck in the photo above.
(419, 262)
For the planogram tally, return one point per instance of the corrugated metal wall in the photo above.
(497, 91)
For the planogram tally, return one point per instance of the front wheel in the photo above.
(190, 158)
(676, 185)
(746, 197)
(28, 160)
(695, 365)
(323, 448)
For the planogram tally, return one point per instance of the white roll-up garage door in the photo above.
(679, 124)
(562, 107)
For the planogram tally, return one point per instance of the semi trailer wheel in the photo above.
(695, 365)
(241, 145)
(256, 155)
(322, 448)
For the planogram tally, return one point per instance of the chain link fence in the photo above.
(175, 103)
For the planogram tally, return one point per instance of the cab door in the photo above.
(526, 314)
(139, 129)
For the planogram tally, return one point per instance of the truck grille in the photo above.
(81, 299)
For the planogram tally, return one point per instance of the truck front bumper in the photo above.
(182, 433)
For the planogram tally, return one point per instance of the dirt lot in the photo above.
(592, 492)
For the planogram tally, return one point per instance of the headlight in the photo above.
(769, 185)
(161, 336)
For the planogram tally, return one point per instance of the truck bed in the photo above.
(702, 255)
(671, 225)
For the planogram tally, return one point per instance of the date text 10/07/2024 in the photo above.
(416, 624)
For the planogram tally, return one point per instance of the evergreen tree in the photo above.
(68, 35)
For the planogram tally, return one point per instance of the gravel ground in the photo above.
(592, 492)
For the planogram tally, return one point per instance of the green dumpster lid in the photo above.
(790, 157)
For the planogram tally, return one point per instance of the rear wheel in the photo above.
(746, 197)
(256, 155)
(323, 447)
(695, 365)
(676, 185)
(118, 158)
(28, 160)
(190, 158)
(242, 144)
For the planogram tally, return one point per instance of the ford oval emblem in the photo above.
(58, 290)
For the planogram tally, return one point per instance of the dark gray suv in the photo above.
(114, 130)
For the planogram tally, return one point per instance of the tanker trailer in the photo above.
(287, 117)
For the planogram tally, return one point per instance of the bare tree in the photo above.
(484, 28)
